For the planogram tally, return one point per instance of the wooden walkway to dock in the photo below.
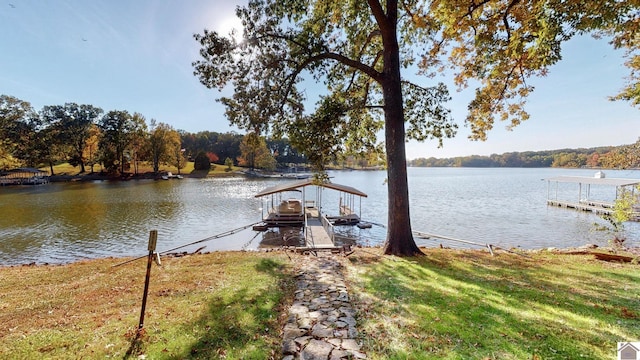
(316, 235)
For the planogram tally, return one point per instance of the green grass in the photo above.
(449, 304)
(213, 306)
(470, 305)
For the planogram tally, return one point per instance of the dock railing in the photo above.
(326, 224)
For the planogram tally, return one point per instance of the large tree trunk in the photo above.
(399, 235)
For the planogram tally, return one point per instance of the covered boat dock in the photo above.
(584, 200)
(24, 176)
(307, 212)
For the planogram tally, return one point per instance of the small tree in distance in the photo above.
(229, 164)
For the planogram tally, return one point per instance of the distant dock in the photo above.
(584, 202)
(601, 208)
(24, 176)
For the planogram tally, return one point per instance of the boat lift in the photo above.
(317, 227)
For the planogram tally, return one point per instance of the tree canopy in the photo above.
(362, 53)
(73, 123)
(81, 135)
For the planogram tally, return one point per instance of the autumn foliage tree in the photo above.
(362, 52)
(162, 139)
(255, 154)
(212, 157)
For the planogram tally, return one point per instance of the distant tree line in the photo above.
(611, 157)
(118, 141)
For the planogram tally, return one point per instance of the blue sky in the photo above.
(136, 56)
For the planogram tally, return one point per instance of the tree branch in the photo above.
(473, 7)
(505, 17)
(377, 11)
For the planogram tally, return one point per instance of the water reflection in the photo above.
(65, 222)
(287, 236)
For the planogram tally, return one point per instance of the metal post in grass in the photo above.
(153, 238)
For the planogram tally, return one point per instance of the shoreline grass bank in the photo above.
(471, 305)
(449, 304)
(202, 306)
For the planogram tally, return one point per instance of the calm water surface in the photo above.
(64, 222)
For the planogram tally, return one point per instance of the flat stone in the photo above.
(357, 355)
(341, 324)
(292, 333)
(348, 311)
(319, 301)
(289, 347)
(321, 331)
(338, 355)
(335, 342)
(350, 344)
(316, 350)
(341, 334)
(349, 320)
(304, 323)
(298, 309)
(303, 341)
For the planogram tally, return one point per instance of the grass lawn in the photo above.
(470, 305)
(204, 306)
(450, 304)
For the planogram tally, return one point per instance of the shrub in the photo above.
(229, 163)
(202, 162)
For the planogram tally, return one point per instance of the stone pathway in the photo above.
(321, 323)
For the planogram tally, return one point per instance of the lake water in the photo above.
(63, 222)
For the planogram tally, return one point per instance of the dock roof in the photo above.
(595, 180)
(26, 170)
(291, 186)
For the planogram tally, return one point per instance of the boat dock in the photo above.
(24, 176)
(600, 207)
(317, 228)
(584, 201)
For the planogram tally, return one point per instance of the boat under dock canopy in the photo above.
(584, 201)
(317, 228)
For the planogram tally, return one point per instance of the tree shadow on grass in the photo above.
(243, 323)
(471, 305)
(269, 266)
